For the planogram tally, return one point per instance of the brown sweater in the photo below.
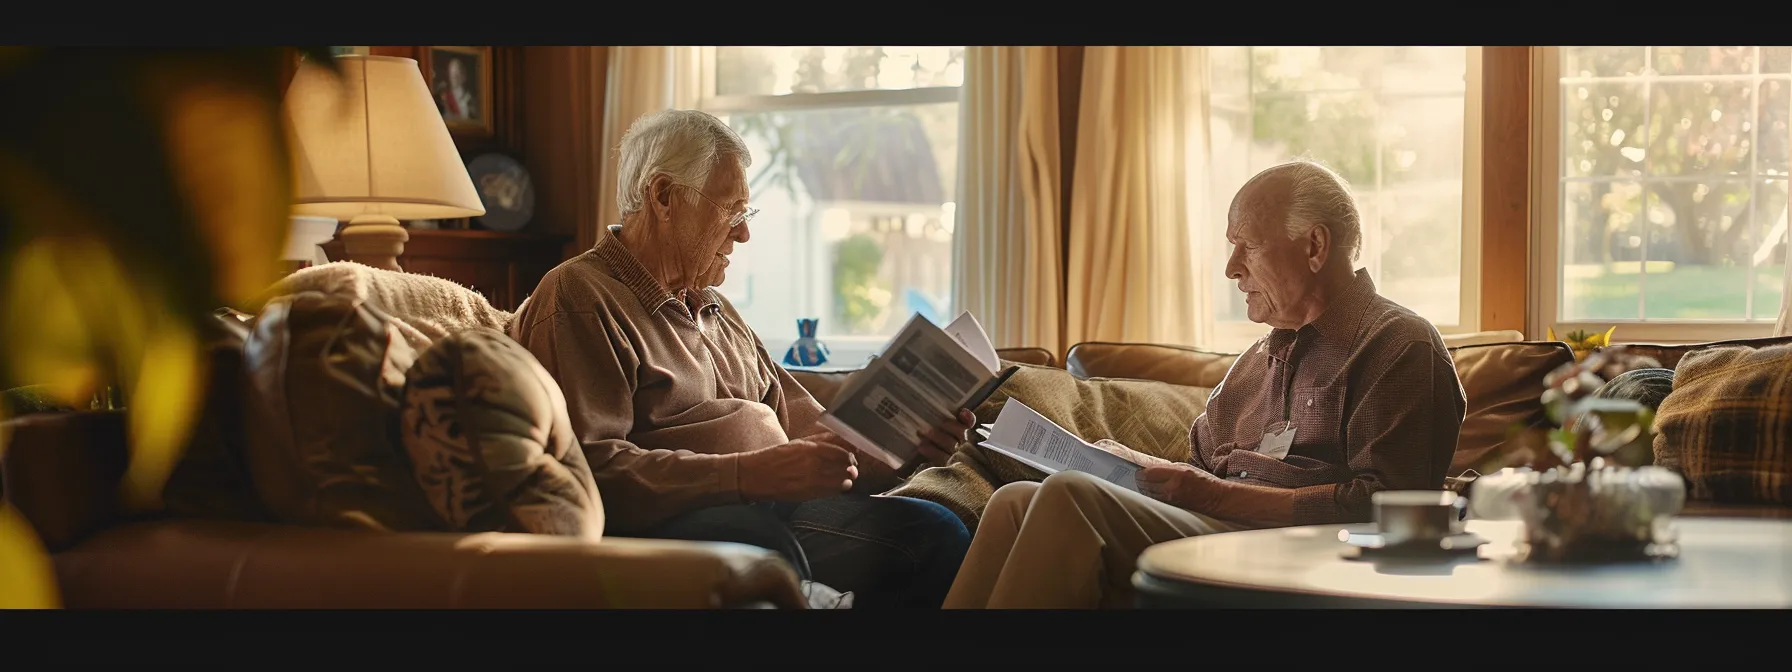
(1373, 396)
(662, 400)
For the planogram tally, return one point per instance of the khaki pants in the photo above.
(1070, 542)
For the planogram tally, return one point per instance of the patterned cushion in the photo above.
(325, 373)
(1727, 425)
(490, 443)
(1148, 416)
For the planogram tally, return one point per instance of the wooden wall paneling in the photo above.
(563, 107)
(1505, 186)
(401, 51)
(504, 267)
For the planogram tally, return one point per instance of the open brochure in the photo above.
(1034, 440)
(923, 376)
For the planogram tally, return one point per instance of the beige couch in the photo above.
(211, 545)
(1502, 378)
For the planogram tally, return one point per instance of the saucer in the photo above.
(1367, 543)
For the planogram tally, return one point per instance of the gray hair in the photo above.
(1317, 195)
(682, 144)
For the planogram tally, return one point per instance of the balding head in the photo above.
(1295, 232)
(1298, 196)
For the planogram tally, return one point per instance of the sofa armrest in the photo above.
(227, 565)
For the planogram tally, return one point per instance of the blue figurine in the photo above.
(806, 351)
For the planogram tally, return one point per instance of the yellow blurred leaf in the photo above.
(27, 580)
(74, 318)
(226, 147)
(48, 338)
(164, 402)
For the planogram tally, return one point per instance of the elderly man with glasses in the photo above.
(691, 428)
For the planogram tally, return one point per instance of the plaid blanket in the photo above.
(1147, 416)
(1727, 425)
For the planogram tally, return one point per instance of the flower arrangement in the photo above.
(1590, 426)
(1594, 496)
(1583, 342)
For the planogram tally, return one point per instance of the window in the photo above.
(1662, 176)
(855, 153)
(1401, 124)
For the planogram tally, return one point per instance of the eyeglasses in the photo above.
(739, 218)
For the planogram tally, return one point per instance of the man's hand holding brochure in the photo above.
(923, 377)
(927, 374)
(1034, 440)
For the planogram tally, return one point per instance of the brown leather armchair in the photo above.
(62, 472)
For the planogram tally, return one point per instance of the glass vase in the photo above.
(807, 350)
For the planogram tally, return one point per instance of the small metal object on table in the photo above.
(1722, 563)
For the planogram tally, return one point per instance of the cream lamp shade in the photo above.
(370, 147)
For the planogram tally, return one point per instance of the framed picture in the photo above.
(461, 79)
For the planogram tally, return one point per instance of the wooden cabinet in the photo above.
(504, 267)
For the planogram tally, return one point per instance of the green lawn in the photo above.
(1684, 292)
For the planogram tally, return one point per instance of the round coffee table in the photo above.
(1723, 563)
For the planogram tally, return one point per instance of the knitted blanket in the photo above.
(432, 306)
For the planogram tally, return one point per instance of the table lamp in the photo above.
(370, 147)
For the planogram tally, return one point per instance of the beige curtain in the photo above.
(642, 80)
(1785, 326)
(1007, 261)
(1140, 211)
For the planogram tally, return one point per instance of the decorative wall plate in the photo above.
(505, 189)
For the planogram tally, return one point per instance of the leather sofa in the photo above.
(1502, 377)
(61, 471)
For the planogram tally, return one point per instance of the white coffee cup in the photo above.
(1417, 516)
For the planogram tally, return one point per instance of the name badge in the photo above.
(1275, 444)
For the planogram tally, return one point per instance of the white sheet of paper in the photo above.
(969, 332)
(1275, 444)
(1034, 440)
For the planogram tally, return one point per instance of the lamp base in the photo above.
(374, 240)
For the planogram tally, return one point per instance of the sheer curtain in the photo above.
(1785, 326)
(1007, 264)
(642, 80)
(1141, 211)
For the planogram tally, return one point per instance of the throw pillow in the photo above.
(325, 374)
(490, 442)
(1727, 425)
(1147, 416)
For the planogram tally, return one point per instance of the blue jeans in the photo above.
(889, 551)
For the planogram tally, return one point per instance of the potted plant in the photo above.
(1593, 495)
(1583, 342)
(140, 189)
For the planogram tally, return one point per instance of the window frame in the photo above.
(1239, 334)
(1545, 292)
(722, 106)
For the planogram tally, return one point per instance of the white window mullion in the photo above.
(1754, 187)
(1549, 291)
(1642, 267)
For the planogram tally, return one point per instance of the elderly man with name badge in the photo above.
(1349, 394)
